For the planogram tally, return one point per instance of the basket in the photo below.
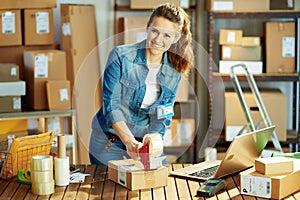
(20, 152)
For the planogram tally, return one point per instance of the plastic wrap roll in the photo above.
(62, 172)
(41, 176)
(44, 188)
(41, 163)
(156, 144)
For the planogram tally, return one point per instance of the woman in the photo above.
(140, 84)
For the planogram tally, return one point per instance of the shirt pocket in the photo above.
(128, 88)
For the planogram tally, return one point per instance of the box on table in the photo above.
(58, 94)
(241, 53)
(274, 187)
(254, 67)
(9, 72)
(274, 165)
(237, 5)
(10, 104)
(21, 4)
(280, 47)
(41, 66)
(132, 29)
(145, 4)
(275, 103)
(251, 41)
(38, 26)
(131, 175)
(230, 37)
(10, 26)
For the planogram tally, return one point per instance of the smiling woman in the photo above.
(140, 82)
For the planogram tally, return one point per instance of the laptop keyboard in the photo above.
(205, 173)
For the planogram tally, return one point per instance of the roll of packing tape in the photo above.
(41, 163)
(41, 176)
(156, 144)
(62, 172)
(44, 188)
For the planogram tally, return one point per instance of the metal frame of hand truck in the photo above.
(258, 99)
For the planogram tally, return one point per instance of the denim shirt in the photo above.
(124, 89)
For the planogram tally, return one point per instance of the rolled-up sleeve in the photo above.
(112, 89)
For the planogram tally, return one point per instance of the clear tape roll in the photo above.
(45, 188)
(41, 163)
(62, 172)
(155, 143)
(41, 176)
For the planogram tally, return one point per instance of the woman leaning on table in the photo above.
(140, 82)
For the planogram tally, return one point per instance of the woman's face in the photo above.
(162, 33)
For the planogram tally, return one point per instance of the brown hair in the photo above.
(180, 53)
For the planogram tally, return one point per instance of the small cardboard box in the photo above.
(275, 187)
(145, 4)
(280, 47)
(230, 37)
(282, 4)
(10, 26)
(241, 53)
(237, 5)
(133, 29)
(274, 165)
(58, 94)
(9, 72)
(38, 26)
(131, 175)
(13, 88)
(251, 41)
(10, 104)
(254, 67)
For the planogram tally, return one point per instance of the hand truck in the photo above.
(258, 100)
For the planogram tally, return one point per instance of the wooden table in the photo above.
(97, 187)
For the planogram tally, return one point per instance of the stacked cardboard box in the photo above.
(236, 49)
(271, 186)
(11, 88)
(145, 4)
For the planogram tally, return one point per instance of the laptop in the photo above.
(240, 155)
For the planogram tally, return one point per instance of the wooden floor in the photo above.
(97, 187)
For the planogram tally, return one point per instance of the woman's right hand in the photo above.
(132, 147)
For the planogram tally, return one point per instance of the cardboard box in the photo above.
(254, 67)
(82, 61)
(9, 72)
(21, 4)
(41, 66)
(271, 187)
(13, 88)
(10, 26)
(10, 104)
(145, 4)
(251, 41)
(275, 103)
(280, 47)
(58, 95)
(282, 4)
(241, 53)
(130, 174)
(182, 131)
(38, 26)
(237, 5)
(230, 37)
(271, 166)
(132, 29)
(8, 126)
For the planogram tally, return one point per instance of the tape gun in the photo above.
(150, 152)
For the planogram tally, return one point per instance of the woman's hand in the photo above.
(132, 147)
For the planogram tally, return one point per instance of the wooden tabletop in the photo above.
(97, 187)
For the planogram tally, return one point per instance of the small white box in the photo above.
(16, 88)
(254, 67)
